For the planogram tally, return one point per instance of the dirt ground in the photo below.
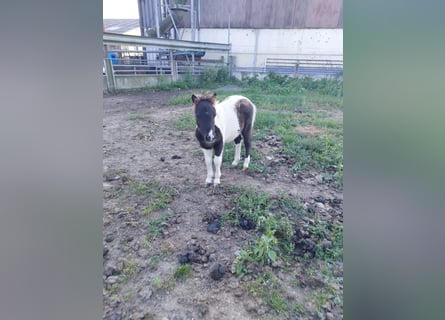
(140, 143)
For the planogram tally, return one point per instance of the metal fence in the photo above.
(128, 57)
(132, 62)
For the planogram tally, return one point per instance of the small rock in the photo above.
(142, 252)
(278, 263)
(319, 178)
(112, 280)
(105, 252)
(320, 205)
(109, 238)
(111, 270)
(107, 186)
(250, 305)
(217, 271)
(212, 257)
(120, 266)
(238, 293)
(326, 244)
(162, 159)
(203, 310)
(176, 157)
(115, 316)
(234, 284)
(214, 226)
(329, 316)
(320, 198)
(145, 293)
(129, 238)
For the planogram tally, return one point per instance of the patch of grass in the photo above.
(322, 152)
(159, 283)
(183, 272)
(186, 122)
(154, 261)
(155, 226)
(114, 289)
(268, 288)
(181, 100)
(252, 205)
(136, 117)
(128, 297)
(130, 270)
(159, 196)
(272, 217)
(276, 302)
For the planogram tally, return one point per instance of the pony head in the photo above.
(205, 113)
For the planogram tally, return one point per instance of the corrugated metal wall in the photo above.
(271, 14)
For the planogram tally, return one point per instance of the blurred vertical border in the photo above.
(394, 157)
(51, 160)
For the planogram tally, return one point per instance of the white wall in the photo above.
(275, 43)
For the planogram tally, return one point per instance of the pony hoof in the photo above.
(245, 168)
(208, 184)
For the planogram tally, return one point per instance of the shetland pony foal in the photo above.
(221, 122)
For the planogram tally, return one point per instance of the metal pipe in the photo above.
(199, 20)
(112, 38)
(157, 13)
(255, 55)
(192, 18)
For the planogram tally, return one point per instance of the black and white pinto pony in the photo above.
(220, 122)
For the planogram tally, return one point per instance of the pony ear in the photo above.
(213, 98)
(194, 99)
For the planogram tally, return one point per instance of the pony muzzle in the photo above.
(210, 136)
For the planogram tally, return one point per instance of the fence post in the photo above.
(296, 69)
(174, 71)
(111, 81)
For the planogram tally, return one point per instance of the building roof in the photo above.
(120, 26)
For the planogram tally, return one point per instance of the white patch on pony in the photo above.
(246, 163)
(217, 161)
(208, 160)
(211, 134)
(237, 154)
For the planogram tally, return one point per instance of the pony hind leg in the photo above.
(237, 151)
(247, 135)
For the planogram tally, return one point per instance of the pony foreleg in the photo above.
(217, 161)
(208, 153)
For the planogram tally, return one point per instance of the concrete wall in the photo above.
(139, 81)
(251, 47)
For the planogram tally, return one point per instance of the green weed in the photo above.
(155, 226)
(130, 271)
(183, 272)
(186, 122)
